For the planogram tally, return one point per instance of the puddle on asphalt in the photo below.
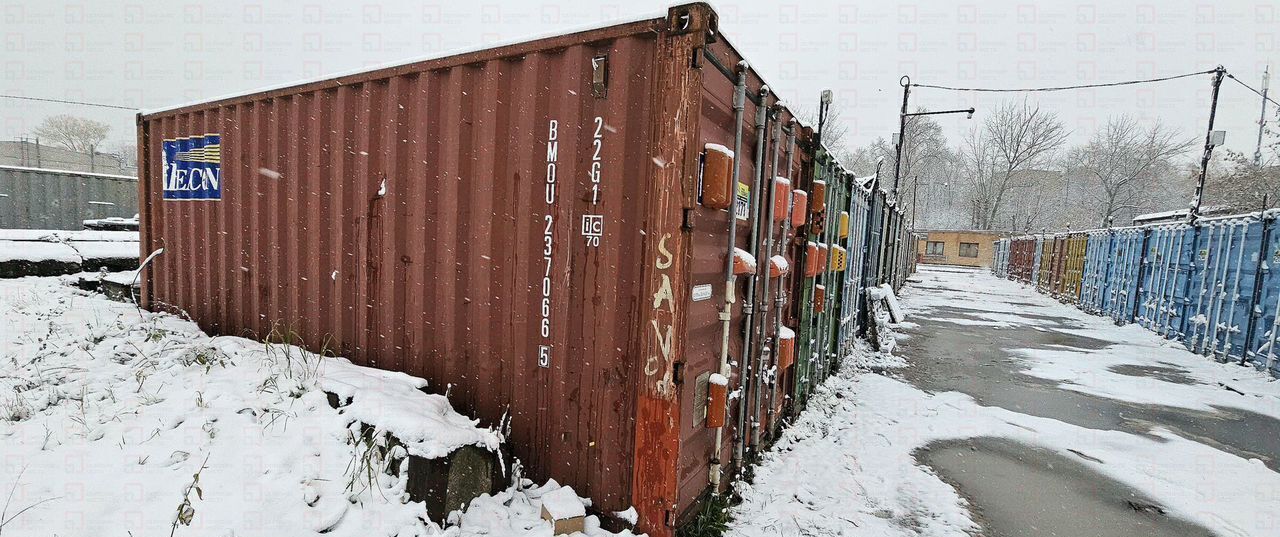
(1175, 375)
(976, 360)
(1016, 490)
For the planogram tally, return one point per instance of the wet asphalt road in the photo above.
(1016, 489)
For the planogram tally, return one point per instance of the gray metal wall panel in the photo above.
(47, 199)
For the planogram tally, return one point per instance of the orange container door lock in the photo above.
(717, 400)
(781, 198)
(799, 202)
(717, 174)
(818, 202)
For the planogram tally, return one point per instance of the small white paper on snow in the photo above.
(720, 149)
(746, 257)
(563, 503)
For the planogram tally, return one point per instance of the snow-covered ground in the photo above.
(847, 466)
(113, 421)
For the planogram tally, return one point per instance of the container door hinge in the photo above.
(670, 518)
(677, 372)
(686, 223)
(600, 76)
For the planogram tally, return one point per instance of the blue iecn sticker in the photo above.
(193, 168)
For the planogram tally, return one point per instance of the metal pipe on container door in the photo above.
(1210, 283)
(1196, 320)
(782, 250)
(848, 290)
(1223, 271)
(1259, 270)
(749, 304)
(1234, 298)
(815, 335)
(864, 317)
(1152, 295)
(764, 349)
(820, 173)
(811, 373)
(824, 319)
(1159, 278)
(726, 311)
(1166, 290)
(1142, 266)
(1171, 307)
(1271, 339)
(829, 233)
(1221, 267)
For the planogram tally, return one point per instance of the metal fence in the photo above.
(1209, 285)
(35, 198)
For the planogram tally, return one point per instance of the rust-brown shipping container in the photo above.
(530, 225)
(1022, 258)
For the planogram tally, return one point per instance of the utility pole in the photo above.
(1262, 120)
(915, 194)
(1194, 215)
(905, 82)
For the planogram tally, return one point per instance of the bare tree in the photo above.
(1122, 160)
(1236, 183)
(834, 131)
(124, 152)
(1015, 138)
(74, 133)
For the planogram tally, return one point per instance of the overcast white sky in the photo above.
(153, 54)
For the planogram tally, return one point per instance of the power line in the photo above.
(1250, 88)
(1063, 88)
(81, 103)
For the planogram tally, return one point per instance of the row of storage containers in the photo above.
(1208, 285)
(598, 236)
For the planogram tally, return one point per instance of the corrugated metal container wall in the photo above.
(1266, 326)
(1166, 264)
(850, 323)
(1073, 267)
(522, 224)
(1228, 255)
(1207, 284)
(810, 367)
(1122, 278)
(1044, 276)
(1022, 255)
(32, 198)
(1000, 258)
(1038, 260)
(1093, 286)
